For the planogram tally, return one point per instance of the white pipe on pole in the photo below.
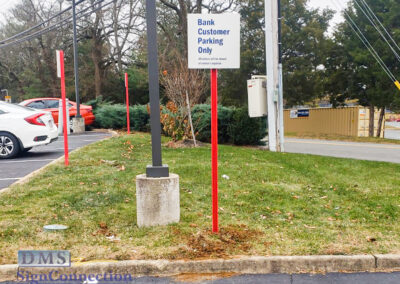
(280, 103)
(60, 115)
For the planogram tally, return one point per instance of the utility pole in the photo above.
(76, 71)
(274, 90)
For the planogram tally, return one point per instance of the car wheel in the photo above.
(9, 146)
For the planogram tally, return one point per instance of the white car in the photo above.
(22, 128)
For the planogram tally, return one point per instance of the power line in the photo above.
(380, 23)
(368, 45)
(57, 25)
(40, 24)
(371, 20)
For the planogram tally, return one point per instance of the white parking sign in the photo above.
(214, 41)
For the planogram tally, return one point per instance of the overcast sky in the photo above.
(6, 4)
(338, 6)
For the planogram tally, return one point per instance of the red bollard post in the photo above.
(214, 147)
(64, 104)
(128, 120)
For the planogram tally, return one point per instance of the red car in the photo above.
(51, 104)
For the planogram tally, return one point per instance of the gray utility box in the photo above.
(257, 94)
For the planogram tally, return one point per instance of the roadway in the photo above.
(330, 278)
(353, 150)
(12, 170)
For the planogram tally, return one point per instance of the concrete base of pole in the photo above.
(78, 125)
(157, 200)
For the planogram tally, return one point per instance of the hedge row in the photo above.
(114, 116)
(234, 124)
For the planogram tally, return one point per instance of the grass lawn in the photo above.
(342, 138)
(273, 204)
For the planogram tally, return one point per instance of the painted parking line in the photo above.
(1, 179)
(24, 161)
(88, 135)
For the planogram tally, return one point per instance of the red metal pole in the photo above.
(64, 108)
(214, 147)
(128, 120)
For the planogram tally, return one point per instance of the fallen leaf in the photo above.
(309, 227)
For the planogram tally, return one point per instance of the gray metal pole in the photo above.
(78, 113)
(157, 169)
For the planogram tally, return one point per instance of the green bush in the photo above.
(95, 103)
(114, 116)
(244, 130)
(234, 124)
(139, 118)
(201, 116)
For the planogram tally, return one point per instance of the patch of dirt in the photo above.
(193, 278)
(183, 144)
(103, 230)
(204, 244)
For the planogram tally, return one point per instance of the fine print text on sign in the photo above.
(214, 41)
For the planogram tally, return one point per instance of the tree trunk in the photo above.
(96, 57)
(371, 120)
(190, 119)
(380, 122)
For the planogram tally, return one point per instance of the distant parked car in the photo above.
(51, 104)
(22, 128)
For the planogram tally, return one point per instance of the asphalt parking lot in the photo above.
(330, 278)
(13, 170)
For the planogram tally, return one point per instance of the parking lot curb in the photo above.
(245, 265)
(33, 174)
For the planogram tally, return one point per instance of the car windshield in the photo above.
(12, 107)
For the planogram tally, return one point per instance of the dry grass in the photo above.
(272, 204)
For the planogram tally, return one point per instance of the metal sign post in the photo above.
(128, 119)
(76, 70)
(60, 73)
(157, 169)
(214, 147)
(222, 52)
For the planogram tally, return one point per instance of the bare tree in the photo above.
(177, 80)
(181, 84)
(123, 23)
(37, 56)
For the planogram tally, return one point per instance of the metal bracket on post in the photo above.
(68, 118)
(157, 169)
